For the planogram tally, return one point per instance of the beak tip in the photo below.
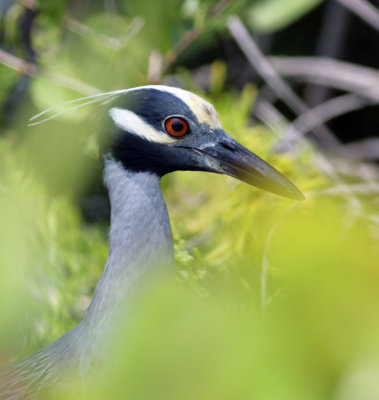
(298, 195)
(282, 187)
(291, 191)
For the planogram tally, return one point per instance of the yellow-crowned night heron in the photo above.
(158, 129)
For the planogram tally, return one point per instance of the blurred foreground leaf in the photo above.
(267, 16)
(318, 340)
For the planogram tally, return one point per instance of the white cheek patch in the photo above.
(131, 122)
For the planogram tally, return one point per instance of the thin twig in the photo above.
(324, 112)
(365, 188)
(17, 64)
(71, 83)
(328, 72)
(335, 25)
(188, 38)
(115, 43)
(84, 30)
(193, 34)
(25, 68)
(269, 115)
(366, 149)
(269, 74)
(261, 64)
(361, 171)
(364, 10)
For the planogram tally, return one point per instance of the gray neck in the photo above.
(141, 246)
(140, 239)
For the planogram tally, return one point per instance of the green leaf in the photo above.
(267, 16)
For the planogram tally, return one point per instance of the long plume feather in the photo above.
(102, 98)
(95, 98)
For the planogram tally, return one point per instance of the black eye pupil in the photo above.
(177, 126)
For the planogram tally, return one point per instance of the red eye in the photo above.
(176, 126)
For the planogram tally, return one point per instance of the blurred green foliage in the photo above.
(50, 260)
(282, 296)
(267, 16)
(273, 299)
(318, 339)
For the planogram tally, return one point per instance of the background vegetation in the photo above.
(283, 298)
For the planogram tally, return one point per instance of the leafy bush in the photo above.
(272, 299)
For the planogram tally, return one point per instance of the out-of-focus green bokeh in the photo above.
(272, 299)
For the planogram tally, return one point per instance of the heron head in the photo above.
(161, 129)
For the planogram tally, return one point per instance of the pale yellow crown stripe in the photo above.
(203, 110)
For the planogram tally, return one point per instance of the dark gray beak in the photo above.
(229, 157)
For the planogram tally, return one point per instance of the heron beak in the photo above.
(229, 157)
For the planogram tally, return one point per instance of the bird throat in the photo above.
(141, 247)
(140, 234)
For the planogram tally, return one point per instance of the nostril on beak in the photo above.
(227, 147)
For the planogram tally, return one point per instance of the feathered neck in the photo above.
(141, 246)
(140, 235)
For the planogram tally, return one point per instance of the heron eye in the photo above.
(176, 126)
